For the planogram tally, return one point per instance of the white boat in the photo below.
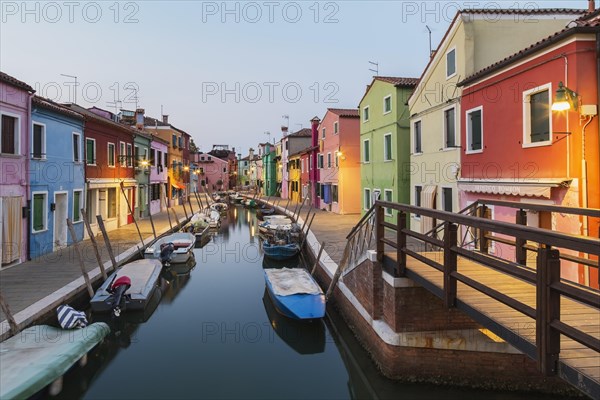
(219, 207)
(199, 226)
(174, 248)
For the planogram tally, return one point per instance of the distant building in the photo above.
(213, 172)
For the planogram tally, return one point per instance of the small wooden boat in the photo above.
(174, 248)
(129, 288)
(280, 251)
(199, 227)
(42, 354)
(270, 226)
(295, 293)
(264, 211)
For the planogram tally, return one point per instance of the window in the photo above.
(388, 196)
(180, 142)
(334, 193)
(367, 198)
(449, 128)
(129, 156)
(328, 160)
(122, 157)
(387, 104)
(40, 211)
(318, 189)
(319, 160)
(417, 201)
(174, 140)
(450, 63)
(112, 203)
(153, 155)
(323, 134)
(537, 116)
(366, 151)
(90, 151)
(474, 130)
(111, 155)
(76, 147)
(337, 159)
(39, 141)
(91, 206)
(417, 137)
(77, 205)
(310, 162)
(136, 154)
(336, 128)
(447, 199)
(145, 154)
(366, 114)
(9, 131)
(387, 147)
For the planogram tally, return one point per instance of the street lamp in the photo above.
(565, 99)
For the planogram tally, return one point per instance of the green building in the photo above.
(385, 141)
(269, 171)
(142, 163)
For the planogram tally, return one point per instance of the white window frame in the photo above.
(389, 96)
(17, 134)
(450, 50)
(445, 146)
(367, 199)
(86, 161)
(366, 108)
(527, 115)
(80, 160)
(43, 156)
(388, 157)
(468, 129)
(45, 217)
(414, 203)
(130, 155)
(388, 211)
(329, 160)
(145, 154)
(413, 133)
(322, 134)
(108, 155)
(81, 202)
(336, 127)
(366, 154)
(122, 155)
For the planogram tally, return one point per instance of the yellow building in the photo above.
(294, 174)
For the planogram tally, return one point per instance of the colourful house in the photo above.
(158, 174)
(141, 154)
(291, 144)
(15, 112)
(56, 179)
(384, 141)
(212, 171)
(294, 176)
(106, 150)
(340, 144)
(269, 170)
(536, 155)
(313, 182)
(474, 40)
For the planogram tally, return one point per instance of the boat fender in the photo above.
(70, 318)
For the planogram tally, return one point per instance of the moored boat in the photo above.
(280, 251)
(295, 293)
(174, 248)
(264, 211)
(219, 207)
(129, 288)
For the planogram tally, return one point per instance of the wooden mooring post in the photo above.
(314, 268)
(14, 328)
(132, 213)
(176, 217)
(86, 277)
(106, 241)
(167, 207)
(304, 235)
(190, 204)
(338, 271)
(184, 210)
(152, 223)
(94, 243)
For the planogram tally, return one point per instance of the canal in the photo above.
(212, 332)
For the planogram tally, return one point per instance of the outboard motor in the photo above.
(118, 289)
(166, 253)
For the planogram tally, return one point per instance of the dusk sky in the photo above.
(224, 72)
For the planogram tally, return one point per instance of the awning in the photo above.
(515, 187)
(101, 183)
(428, 201)
(178, 185)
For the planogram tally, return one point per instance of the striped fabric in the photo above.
(70, 318)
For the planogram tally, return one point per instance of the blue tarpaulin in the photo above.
(327, 194)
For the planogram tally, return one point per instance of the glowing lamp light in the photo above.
(565, 99)
(186, 168)
(144, 163)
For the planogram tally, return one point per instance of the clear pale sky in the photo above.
(224, 72)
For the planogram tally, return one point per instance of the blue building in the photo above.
(56, 176)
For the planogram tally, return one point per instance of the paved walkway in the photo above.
(34, 287)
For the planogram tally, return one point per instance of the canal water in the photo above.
(211, 332)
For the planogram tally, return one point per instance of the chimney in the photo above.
(251, 154)
(139, 118)
(284, 130)
(591, 5)
(165, 119)
(314, 124)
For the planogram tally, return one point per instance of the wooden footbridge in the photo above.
(554, 321)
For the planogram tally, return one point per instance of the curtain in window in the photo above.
(8, 134)
(11, 229)
(428, 201)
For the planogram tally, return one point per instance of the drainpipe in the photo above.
(26, 178)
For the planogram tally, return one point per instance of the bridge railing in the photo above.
(545, 277)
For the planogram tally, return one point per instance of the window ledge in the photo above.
(10, 155)
(417, 154)
(537, 144)
(474, 151)
(42, 231)
(39, 159)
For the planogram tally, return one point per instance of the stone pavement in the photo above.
(34, 287)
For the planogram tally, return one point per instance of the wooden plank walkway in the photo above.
(578, 365)
(34, 287)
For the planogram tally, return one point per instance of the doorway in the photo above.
(61, 213)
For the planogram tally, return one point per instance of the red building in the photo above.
(516, 148)
(108, 158)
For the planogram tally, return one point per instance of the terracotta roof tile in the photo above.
(398, 81)
(15, 82)
(344, 112)
(51, 105)
(306, 132)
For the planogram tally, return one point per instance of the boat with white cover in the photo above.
(174, 248)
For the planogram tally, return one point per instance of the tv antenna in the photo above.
(117, 104)
(268, 135)
(74, 94)
(301, 126)
(375, 67)
(429, 30)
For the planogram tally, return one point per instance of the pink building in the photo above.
(15, 114)
(213, 171)
(158, 174)
(339, 161)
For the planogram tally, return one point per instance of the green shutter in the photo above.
(76, 206)
(38, 212)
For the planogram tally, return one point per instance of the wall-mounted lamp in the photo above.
(565, 99)
(52, 206)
